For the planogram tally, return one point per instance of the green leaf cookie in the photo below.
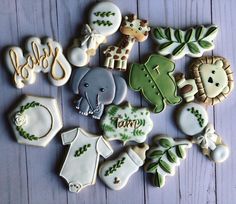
(178, 43)
(152, 80)
(163, 158)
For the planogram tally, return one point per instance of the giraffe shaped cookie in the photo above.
(133, 29)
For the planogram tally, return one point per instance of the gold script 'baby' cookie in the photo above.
(164, 156)
(126, 123)
(40, 57)
(212, 80)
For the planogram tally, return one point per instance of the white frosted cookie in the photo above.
(126, 123)
(164, 156)
(104, 20)
(192, 118)
(81, 163)
(105, 17)
(46, 57)
(35, 120)
(117, 172)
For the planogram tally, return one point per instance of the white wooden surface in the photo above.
(30, 175)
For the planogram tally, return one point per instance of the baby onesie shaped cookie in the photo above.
(133, 30)
(46, 57)
(126, 123)
(192, 119)
(81, 163)
(97, 87)
(155, 81)
(178, 43)
(164, 156)
(117, 172)
(35, 120)
(212, 80)
(104, 20)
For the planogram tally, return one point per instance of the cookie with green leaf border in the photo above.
(178, 43)
(164, 156)
(126, 123)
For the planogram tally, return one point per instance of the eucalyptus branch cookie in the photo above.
(44, 57)
(178, 43)
(192, 119)
(212, 80)
(134, 30)
(126, 123)
(117, 172)
(81, 163)
(152, 80)
(35, 120)
(164, 156)
(104, 20)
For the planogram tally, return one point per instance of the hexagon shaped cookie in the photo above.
(36, 120)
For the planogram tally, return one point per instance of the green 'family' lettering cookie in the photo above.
(156, 82)
(126, 123)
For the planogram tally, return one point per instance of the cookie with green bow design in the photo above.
(178, 43)
(152, 80)
(164, 156)
(126, 123)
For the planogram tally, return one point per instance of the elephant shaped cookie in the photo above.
(97, 87)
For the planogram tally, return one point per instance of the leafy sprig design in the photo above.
(20, 113)
(194, 41)
(104, 13)
(103, 23)
(115, 166)
(197, 115)
(165, 157)
(82, 150)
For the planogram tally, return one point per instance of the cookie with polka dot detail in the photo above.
(134, 30)
(152, 79)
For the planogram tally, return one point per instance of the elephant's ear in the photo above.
(121, 89)
(77, 75)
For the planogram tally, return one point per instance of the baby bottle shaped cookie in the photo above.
(116, 173)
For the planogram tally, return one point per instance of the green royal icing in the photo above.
(197, 115)
(126, 123)
(175, 42)
(82, 150)
(103, 23)
(164, 158)
(104, 14)
(115, 166)
(20, 129)
(155, 81)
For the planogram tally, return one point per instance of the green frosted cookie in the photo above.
(156, 82)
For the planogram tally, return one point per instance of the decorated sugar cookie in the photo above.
(178, 43)
(44, 57)
(164, 156)
(133, 30)
(212, 80)
(97, 87)
(126, 123)
(117, 172)
(35, 120)
(152, 80)
(81, 163)
(104, 20)
(192, 119)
